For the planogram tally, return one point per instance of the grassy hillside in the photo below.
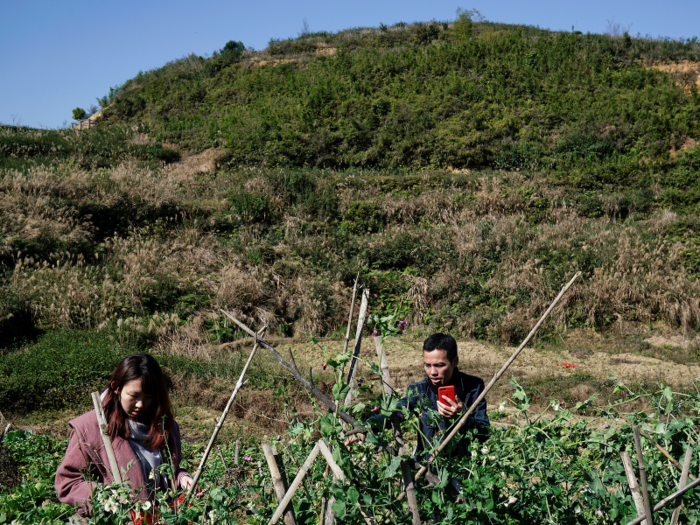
(464, 171)
(583, 108)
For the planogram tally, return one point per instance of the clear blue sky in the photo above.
(58, 55)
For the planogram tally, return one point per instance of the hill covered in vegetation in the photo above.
(464, 170)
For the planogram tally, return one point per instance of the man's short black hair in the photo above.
(441, 342)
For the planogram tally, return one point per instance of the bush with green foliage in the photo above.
(79, 114)
(509, 97)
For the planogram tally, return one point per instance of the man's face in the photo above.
(437, 367)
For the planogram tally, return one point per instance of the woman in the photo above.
(143, 432)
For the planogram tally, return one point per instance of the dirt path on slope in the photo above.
(533, 366)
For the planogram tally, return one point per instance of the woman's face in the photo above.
(134, 400)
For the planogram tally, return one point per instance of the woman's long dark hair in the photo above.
(159, 414)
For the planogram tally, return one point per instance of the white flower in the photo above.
(473, 454)
(501, 408)
(111, 506)
(511, 500)
(555, 406)
(146, 505)
(152, 474)
(577, 510)
(485, 450)
(213, 515)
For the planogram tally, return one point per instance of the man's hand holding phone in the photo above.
(355, 438)
(448, 405)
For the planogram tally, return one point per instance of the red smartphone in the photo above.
(446, 392)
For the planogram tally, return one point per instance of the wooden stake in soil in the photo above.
(681, 483)
(339, 476)
(352, 311)
(667, 501)
(642, 475)
(398, 436)
(221, 420)
(358, 342)
(4, 432)
(278, 482)
(659, 448)
(495, 378)
(104, 432)
(322, 516)
(292, 367)
(294, 486)
(223, 461)
(632, 481)
(235, 454)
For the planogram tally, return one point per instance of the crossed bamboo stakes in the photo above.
(284, 492)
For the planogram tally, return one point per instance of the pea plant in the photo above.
(561, 465)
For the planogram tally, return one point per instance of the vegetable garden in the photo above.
(555, 466)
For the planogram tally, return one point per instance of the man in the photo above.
(440, 362)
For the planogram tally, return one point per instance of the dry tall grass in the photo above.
(482, 235)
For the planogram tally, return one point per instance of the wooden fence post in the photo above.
(642, 475)
(388, 389)
(681, 483)
(294, 486)
(632, 481)
(358, 342)
(104, 432)
(221, 420)
(278, 482)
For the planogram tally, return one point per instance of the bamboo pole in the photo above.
(387, 385)
(280, 466)
(328, 456)
(329, 518)
(277, 482)
(358, 341)
(667, 501)
(322, 517)
(292, 367)
(4, 432)
(223, 461)
(352, 311)
(632, 481)
(495, 378)
(388, 388)
(235, 454)
(294, 486)
(681, 483)
(104, 432)
(659, 448)
(220, 422)
(330, 513)
(338, 475)
(642, 476)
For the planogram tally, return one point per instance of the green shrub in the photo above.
(60, 369)
(363, 217)
(79, 114)
(250, 208)
(464, 25)
(232, 51)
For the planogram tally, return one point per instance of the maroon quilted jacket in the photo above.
(86, 453)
